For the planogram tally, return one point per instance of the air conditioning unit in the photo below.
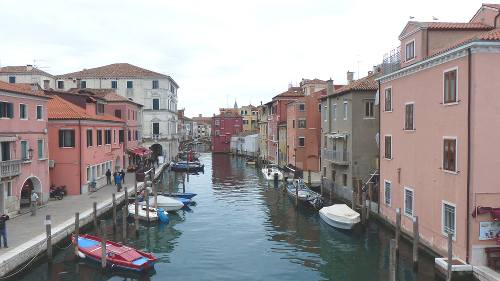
(51, 163)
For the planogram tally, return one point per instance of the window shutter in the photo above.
(61, 138)
(10, 110)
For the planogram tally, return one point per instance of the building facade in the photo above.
(263, 118)
(249, 115)
(224, 125)
(28, 75)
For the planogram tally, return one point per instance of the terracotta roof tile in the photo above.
(23, 69)
(367, 83)
(494, 6)
(115, 70)
(291, 92)
(22, 88)
(493, 35)
(456, 26)
(108, 95)
(61, 109)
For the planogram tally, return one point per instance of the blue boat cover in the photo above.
(140, 261)
(87, 243)
(162, 215)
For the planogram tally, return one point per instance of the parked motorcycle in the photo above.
(57, 192)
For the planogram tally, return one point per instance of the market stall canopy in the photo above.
(140, 151)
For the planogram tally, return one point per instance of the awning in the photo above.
(139, 151)
(7, 138)
(337, 135)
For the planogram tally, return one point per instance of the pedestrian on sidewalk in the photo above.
(34, 201)
(3, 230)
(114, 175)
(108, 176)
(122, 173)
(118, 181)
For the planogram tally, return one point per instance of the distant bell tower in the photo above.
(235, 105)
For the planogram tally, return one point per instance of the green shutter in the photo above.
(61, 138)
(10, 110)
(40, 149)
(72, 138)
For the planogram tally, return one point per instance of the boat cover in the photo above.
(342, 213)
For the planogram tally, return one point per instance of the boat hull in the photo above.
(167, 203)
(186, 195)
(270, 175)
(336, 224)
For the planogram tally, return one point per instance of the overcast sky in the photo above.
(217, 51)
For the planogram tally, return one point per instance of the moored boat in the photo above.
(340, 216)
(184, 166)
(272, 171)
(305, 194)
(165, 202)
(118, 256)
(155, 214)
(187, 195)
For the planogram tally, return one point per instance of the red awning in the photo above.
(140, 151)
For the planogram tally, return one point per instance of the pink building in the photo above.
(23, 146)
(85, 142)
(439, 122)
(304, 132)
(224, 126)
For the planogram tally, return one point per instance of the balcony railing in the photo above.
(335, 156)
(392, 61)
(10, 168)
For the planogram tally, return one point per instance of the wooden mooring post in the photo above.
(370, 199)
(416, 237)
(354, 199)
(364, 215)
(136, 211)
(113, 199)
(184, 184)
(155, 194)
(126, 196)
(48, 230)
(297, 195)
(398, 228)
(95, 217)
(309, 177)
(124, 221)
(103, 244)
(77, 232)
(449, 272)
(392, 260)
(147, 205)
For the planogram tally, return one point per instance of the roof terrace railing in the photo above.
(392, 61)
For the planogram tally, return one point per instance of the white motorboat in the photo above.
(165, 202)
(270, 170)
(339, 216)
(153, 212)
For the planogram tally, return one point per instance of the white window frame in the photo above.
(346, 108)
(456, 155)
(392, 144)
(413, 117)
(27, 150)
(26, 111)
(373, 109)
(153, 102)
(414, 50)
(36, 112)
(406, 188)
(44, 155)
(443, 202)
(392, 104)
(298, 141)
(385, 193)
(456, 86)
(301, 104)
(152, 129)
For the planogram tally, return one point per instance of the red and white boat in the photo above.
(119, 256)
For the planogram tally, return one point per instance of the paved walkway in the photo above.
(23, 228)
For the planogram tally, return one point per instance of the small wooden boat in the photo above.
(250, 161)
(304, 193)
(339, 216)
(186, 195)
(165, 202)
(155, 214)
(118, 256)
(270, 171)
(184, 166)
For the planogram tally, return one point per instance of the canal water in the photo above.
(241, 228)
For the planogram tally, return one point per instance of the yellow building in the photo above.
(250, 116)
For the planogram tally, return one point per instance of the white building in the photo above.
(27, 74)
(155, 91)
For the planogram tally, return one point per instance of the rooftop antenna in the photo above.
(434, 18)
(412, 17)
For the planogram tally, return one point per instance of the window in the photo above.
(344, 179)
(450, 155)
(388, 147)
(12, 79)
(23, 111)
(408, 201)
(217, 132)
(129, 135)
(24, 150)
(302, 123)
(156, 104)
(41, 152)
(46, 84)
(5, 148)
(83, 84)
(302, 141)
(66, 138)
(114, 84)
(121, 136)
(334, 111)
(89, 138)
(293, 123)
(99, 108)
(136, 135)
(388, 99)
(448, 218)
(409, 116)
(217, 122)
(107, 136)
(450, 86)
(39, 112)
(99, 137)
(319, 107)
(6, 110)
(302, 107)
(60, 84)
(118, 113)
(387, 193)
(245, 122)
(345, 110)
(130, 84)
(369, 108)
(156, 84)
(114, 136)
(156, 128)
(410, 50)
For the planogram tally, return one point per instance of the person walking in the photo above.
(122, 173)
(114, 175)
(34, 201)
(108, 176)
(3, 230)
(118, 181)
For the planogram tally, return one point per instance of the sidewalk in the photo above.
(26, 234)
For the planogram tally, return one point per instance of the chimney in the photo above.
(29, 67)
(329, 87)
(370, 73)
(199, 115)
(350, 76)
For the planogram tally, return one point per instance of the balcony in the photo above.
(337, 157)
(392, 61)
(10, 168)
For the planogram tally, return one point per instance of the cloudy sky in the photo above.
(217, 51)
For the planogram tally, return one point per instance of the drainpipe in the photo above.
(80, 154)
(469, 87)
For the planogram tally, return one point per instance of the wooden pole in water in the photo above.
(126, 196)
(103, 244)
(136, 215)
(309, 176)
(48, 231)
(124, 221)
(321, 186)
(155, 194)
(450, 255)
(77, 232)
(354, 199)
(370, 195)
(297, 194)
(147, 206)
(416, 237)
(392, 260)
(135, 186)
(113, 197)
(184, 184)
(95, 217)
(363, 207)
(398, 228)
